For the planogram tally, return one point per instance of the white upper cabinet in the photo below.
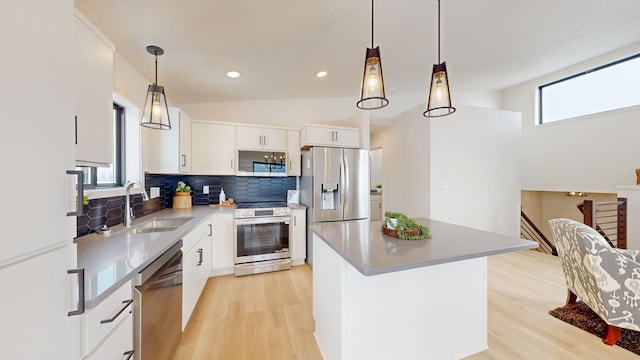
(317, 135)
(93, 63)
(168, 151)
(213, 148)
(293, 153)
(256, 138)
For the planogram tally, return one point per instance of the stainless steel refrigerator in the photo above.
(334, 187)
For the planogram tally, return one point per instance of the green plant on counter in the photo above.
(183, 188)
(405, 224)
(378, 186)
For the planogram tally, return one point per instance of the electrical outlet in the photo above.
(155, 192)
(205, 189)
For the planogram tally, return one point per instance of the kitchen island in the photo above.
(379, 297)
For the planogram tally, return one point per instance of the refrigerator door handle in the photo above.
(344, 180)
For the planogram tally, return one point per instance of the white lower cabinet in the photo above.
(298, 236)
(222, 257)
(107, 329)
(119, 345)
(196, 264)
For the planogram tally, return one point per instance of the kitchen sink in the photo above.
(160, 225)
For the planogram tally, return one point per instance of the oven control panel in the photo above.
(255, 213)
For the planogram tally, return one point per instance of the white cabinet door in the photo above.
(328, 136)
(34, 308)
(375, 207)
(213, 148)
(222, 244)
(248, 138)
(256, 138)
(347, 137)
(274, 139)
(184, 165)
(119, 344)
(168, 151)
(298, 236)
(293, 153)
(93, 61)
(195, 267)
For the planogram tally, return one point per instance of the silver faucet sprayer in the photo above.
(128, 210)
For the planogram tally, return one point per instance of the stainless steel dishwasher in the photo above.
(157, 310)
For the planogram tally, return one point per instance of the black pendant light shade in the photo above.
(439, 103)
(156, 111)
(372, 95)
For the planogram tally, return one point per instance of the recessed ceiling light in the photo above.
(233, 74)
(322, 74)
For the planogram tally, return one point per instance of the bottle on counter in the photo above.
(222, 196)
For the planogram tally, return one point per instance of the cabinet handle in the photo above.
(290, 166)
(210, 230)
(80, 194)
(80, 309)
(184, 160)
(264, 139)
(295, 223)
(128, 354)
(336, 135)
(260, 139)
(125, 304)
(201, 258)
(232, 163)
(76, 129)
(331, 135)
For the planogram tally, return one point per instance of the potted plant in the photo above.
(399, 225)
(182, 196)
(379, 187)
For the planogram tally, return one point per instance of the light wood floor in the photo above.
(268, 316)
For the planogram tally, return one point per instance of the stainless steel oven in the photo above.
(261, 238)
(157, 299)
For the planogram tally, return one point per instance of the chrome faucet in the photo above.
(128, 210)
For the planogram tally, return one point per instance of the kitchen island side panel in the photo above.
(437, 311)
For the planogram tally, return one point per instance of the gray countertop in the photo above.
(362, 244)
(111, 260)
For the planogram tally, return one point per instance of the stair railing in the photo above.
(609, 218)
(529, 231)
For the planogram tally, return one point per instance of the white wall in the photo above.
(592, 153)
(375, 167)
(475, 169)
(405, 164)
(462, 169)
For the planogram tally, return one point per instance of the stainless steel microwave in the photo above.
(261, 163)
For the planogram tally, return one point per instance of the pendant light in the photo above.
(439, 103)
(372, 94)
(156, 112)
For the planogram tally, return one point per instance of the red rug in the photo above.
(581, 316)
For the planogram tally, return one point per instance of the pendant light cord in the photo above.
(372, 24)
(438, 31)
(156, 83)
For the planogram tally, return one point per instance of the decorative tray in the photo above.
(409, 229)
(394, 233)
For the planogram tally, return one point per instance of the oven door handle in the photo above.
(267, 220)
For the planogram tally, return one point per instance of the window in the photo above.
(608, 87)
(112, 176)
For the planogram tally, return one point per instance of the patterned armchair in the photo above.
(604, 278)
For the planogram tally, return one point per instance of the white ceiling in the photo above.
(279, 45)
